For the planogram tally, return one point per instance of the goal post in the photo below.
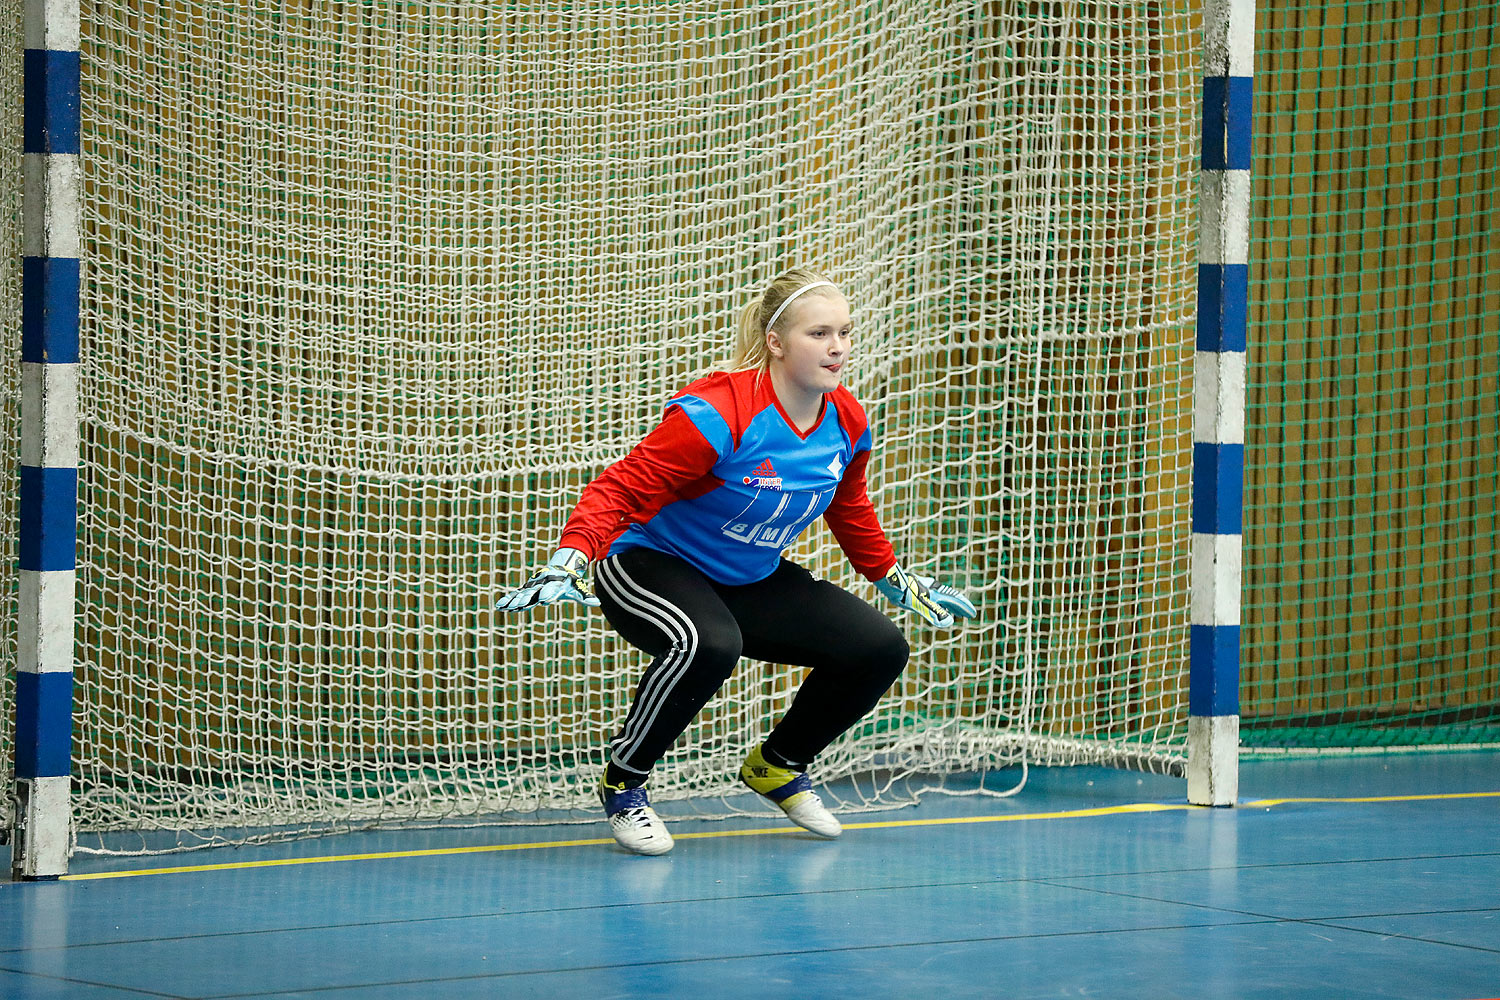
(48, 475)
(369, 293)
(1219, 402)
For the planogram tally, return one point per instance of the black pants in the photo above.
(697, 630)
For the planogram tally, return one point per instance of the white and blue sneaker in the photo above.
(635, 825)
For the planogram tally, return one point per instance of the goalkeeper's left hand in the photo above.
(935, 603)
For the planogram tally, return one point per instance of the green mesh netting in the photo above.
(1370, 614)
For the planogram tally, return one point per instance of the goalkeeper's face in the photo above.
(815, 345)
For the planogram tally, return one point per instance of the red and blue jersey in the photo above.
(727, 483)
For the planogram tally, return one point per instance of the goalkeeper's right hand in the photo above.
(565, 578)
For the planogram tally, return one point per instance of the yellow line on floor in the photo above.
(1378, 798)
(1134, 807)
(380, 856)
(705, 835)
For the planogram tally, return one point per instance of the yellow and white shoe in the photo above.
(792, 791)
(633, 822)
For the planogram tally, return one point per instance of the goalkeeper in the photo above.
(689, 529)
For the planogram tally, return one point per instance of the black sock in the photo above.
(777, 760)
(615, 776)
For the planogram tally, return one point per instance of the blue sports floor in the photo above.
(1344, 878)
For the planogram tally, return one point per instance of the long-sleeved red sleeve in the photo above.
(851, 518)
(673, 461)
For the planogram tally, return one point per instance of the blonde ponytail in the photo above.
(750, 352)
(749, 341)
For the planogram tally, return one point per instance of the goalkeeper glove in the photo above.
(564, 578)
(933, 602)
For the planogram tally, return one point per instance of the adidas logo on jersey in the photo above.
(764, 477)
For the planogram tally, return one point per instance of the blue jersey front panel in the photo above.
(774, 484)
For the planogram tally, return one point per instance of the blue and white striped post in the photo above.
(49, 440)
(1219, 403)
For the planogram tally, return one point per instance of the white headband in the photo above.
(788, 300)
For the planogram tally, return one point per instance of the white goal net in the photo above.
(371, 290)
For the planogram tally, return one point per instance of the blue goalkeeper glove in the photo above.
(565, 578)
(931, 601)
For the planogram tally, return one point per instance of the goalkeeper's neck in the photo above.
(803, 405)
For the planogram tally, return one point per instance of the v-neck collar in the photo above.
(786, 417)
